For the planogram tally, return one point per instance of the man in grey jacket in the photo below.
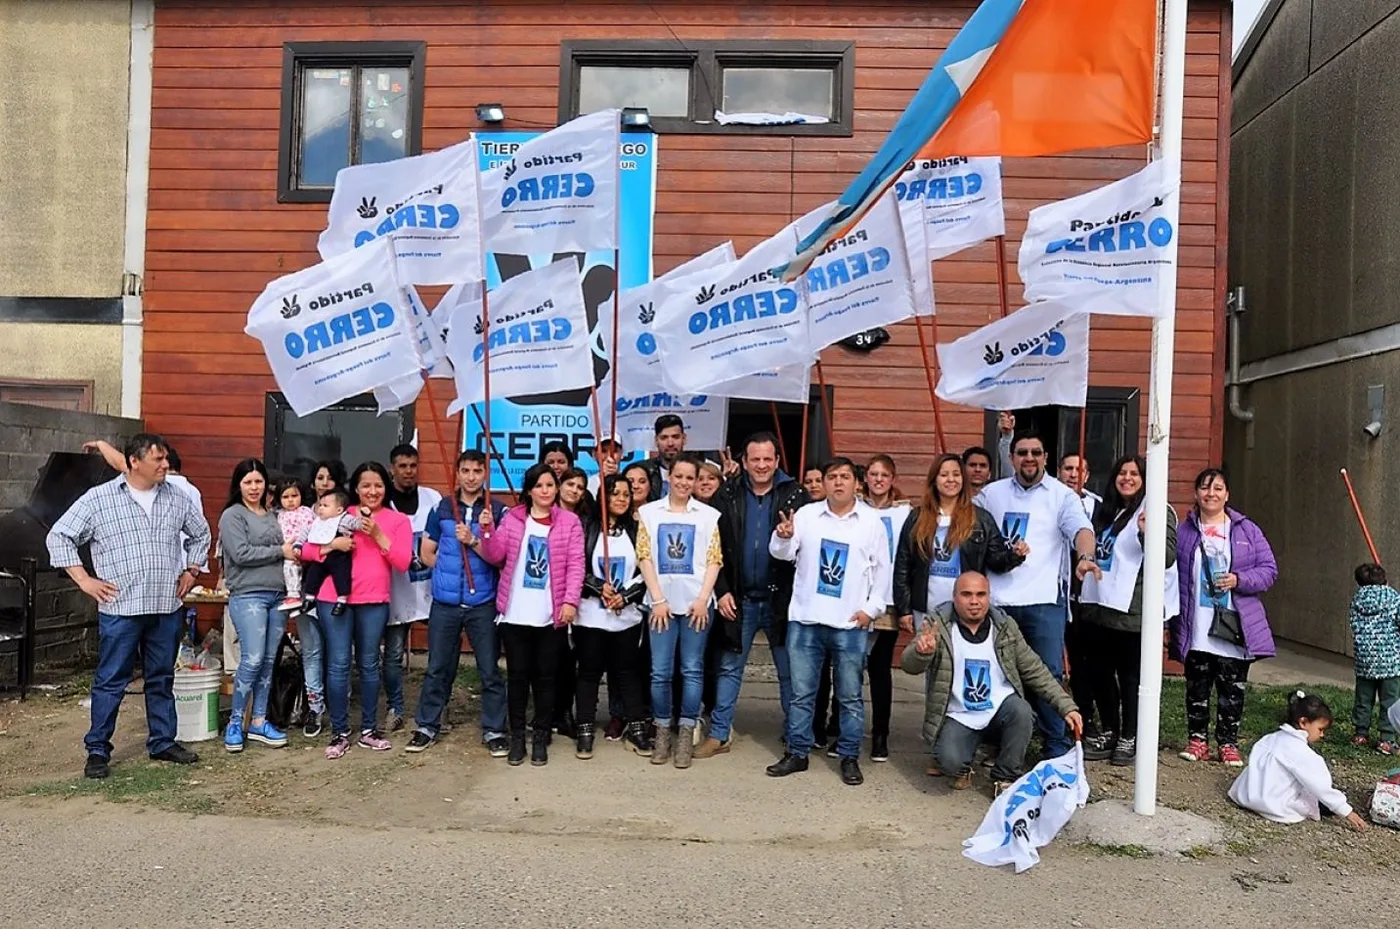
(980, 669)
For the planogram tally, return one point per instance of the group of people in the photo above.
(659, 575)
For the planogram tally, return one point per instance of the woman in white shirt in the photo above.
(678, 549)
(1286, 780)
(884, 497)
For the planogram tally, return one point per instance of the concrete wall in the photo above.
(67, 352)
(1315, 137)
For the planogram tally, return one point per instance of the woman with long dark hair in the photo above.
(328, 475)
(574, 497)
(1112, 609)
(882, 495)
(254, 553)
(539, 548)
(383, 545)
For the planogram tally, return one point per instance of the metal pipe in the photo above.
(1234, 309)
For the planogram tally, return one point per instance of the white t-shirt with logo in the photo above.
(979, 683)
(841, 564)
(1216, 541)
(944, 565)
(679, 547)
(1047, 516)
(620, 569)
(411, 591)
(531, 602)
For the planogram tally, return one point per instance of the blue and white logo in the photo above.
(536, 574)
(831, 569)
(674, 548)
(1015, 526)
(614, 572)
(945, 563)
(977, 685)
(1103, 549)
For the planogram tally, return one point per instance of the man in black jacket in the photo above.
(670, 442)
(758, 587)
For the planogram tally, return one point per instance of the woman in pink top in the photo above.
(382, 546)
(539, 546)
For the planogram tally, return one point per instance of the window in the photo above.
(1112, 431)
(55, 394)
(683, 86)
(350, 431)
(345, 103)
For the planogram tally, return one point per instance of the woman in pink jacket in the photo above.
(539, 548)
(383, 546)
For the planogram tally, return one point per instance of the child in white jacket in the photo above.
(1286, 780)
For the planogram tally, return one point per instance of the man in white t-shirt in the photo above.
(982, 670)
(842, 557)
(411, 591)
(1043, 520)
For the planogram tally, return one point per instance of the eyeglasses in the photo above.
(1030, 453)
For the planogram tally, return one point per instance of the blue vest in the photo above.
(449, 580)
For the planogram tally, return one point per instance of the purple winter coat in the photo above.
(1251, 560)
(501, 547)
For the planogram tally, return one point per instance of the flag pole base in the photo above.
(1113, 824)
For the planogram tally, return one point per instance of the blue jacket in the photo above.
(1375, 626)
(449, 579)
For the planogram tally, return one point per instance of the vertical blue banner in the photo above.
(519, 427)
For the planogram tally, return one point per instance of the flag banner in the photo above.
(336, 329)
(792, 384)
(1037, 356)
(958, 200)
(1027, 815)
(920, 264)
(1107, 250)
(426, 203)
(428, 336)
(737, 319)
(1022, 77)
(862, 280)
(638, 362)
(538, 338)
(398, 394)
(557, 192)
(462, 294)
(704, 416)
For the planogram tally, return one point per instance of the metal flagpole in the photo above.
(1159, 431)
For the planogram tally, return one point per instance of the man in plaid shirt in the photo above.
(143, 571)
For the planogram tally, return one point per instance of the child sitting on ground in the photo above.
(1286, 779)
(294, 518)
(331, 520)
(1375, 630)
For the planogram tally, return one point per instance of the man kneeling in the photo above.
(981, 668)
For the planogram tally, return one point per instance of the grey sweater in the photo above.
(252, 547)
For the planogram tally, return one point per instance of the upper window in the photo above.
(766, 88)
(346, 103)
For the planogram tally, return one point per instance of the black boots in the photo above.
(637, 738)
(539, 752)
(517, 748)
(584, 745)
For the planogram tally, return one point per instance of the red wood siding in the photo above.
(216, 234)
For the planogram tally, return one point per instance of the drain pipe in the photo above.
(1234, 309)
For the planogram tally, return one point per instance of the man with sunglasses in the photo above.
(1041, 519)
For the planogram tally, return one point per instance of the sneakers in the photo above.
(661, 747)
(712, 747)
(96, 767)
(539, 751)
(850, 772)
(176, 754)
(638, 740)
(290, 605)
(393, 720)
(233, 736)
(685, 746)
(314, 724)
(963, 781)
(1099, 747)
(419, 742)
(267, 734)
(499, 747)
(1230, 756)
(583, 745)
(517, 749)
(1360, 740)
(879, 748)
(788, 764)
(1124, 752)
(1196, 750)
(340, 744)
(1387, 748)
(831, 751)
(373, 740)
(616, 728)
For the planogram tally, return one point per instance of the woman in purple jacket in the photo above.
(539, 547)
(1222, 560)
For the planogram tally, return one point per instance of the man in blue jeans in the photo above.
(464, 597)
(1041, 519)
(143, 569)
(841, 553)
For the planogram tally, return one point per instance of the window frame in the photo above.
(707, 60)
(276, 409)
(300, 55)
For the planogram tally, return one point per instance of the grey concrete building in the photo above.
(1314, 192)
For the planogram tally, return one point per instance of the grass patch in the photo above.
(1123, 851)
(1199, 852)
(167, 786)
(468, 678)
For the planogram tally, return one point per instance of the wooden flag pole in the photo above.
(802, 452)
(510, 485)
(1002, 300)
(929, 376)
(602, 489)
(486, 370)
(448, 464)
(612, 363)
(827, 415)
(778, 433)
(1356, 508)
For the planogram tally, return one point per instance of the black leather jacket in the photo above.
(985, 550)
(592, 583)
(731, 501)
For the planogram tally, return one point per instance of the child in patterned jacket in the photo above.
(1375, 629)
(294, 518)
(332, 518)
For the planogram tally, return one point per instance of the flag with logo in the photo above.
(558, 192)
(957, 200)
(1029, 814)
(431, 353)
(538, 338)
(1108, 249)
(705, 416)
(723, 323)
(790, 384)
(862, 280)
(336, 329)
(1036, 356)
(426, 203)
(1021, 78)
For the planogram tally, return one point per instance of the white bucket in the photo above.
(197, 705)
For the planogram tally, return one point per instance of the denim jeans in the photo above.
(1043, 626)
(754, 614)
(1010, 727)
(260, 625)
(157, 637)
(445, 625)
(313, 661)
(395, 644)
(363, 625)
(678, 637)
(808, 645)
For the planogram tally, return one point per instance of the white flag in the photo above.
(737, 319)
(399, 394)
(791, 384)
(1038, 355)
(538, 338)
(558, 192)
(1107, 249)
(428, 336)
(704, 416)
(920, 264)
(463, 294)
(958, 200)
(426, 203)
(862, 279)
(336, 329)
(1031, 812)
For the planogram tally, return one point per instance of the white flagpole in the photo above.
(1158, 433)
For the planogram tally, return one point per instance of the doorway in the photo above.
(1111, 432)
(749, 416)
